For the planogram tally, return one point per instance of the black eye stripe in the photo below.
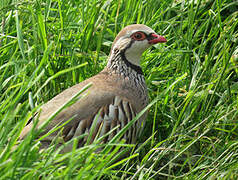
(148, 36)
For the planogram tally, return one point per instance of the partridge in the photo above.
(117, 94)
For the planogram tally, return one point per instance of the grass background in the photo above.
(47, 46)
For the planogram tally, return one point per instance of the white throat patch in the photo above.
(133, 53)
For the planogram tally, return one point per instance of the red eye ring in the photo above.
(138, 36)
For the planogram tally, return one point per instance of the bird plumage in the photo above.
(117, 93)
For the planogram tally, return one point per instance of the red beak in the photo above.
(157, 39)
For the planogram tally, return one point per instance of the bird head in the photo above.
(133, 40)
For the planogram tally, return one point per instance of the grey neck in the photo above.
(118, 62)
(119, 65)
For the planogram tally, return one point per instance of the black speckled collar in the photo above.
(128, 63)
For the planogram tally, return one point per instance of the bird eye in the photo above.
(138, 36)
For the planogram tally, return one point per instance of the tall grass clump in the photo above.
(47, 46)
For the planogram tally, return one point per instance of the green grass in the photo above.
(47, 46)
